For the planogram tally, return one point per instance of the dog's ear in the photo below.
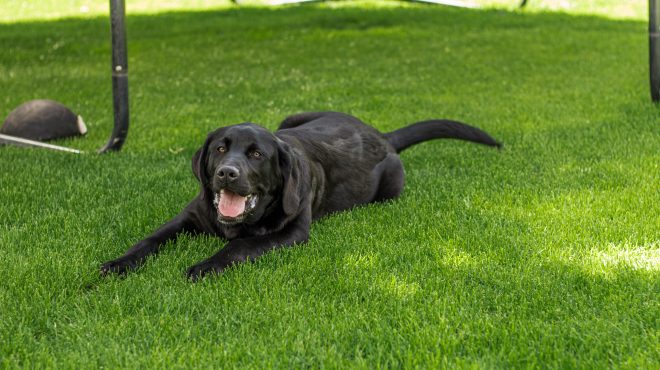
(292, 183)
(196, 164)
(199, 162)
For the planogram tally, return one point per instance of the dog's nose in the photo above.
(228, 173)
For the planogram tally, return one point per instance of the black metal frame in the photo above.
(654, 49)
(119, 77)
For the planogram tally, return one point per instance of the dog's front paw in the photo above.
(201, 269)
(119, 266)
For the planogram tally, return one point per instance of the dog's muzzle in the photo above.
(233, 207)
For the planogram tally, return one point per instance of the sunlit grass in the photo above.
(617, 257)
(19, 10)
(626, 9)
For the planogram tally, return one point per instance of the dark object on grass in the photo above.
(654, 49)
(261, 190)
(119, 77)
(43, 120)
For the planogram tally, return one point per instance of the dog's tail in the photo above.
(437, 129)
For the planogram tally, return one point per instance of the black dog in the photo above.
(261, 190)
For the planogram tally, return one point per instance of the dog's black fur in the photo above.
(316, 163)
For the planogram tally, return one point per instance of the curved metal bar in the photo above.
(119, 77)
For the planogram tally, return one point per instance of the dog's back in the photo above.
(338, 124)
(341, 152)
(352, 163)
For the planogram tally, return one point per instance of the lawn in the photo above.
(543, 254)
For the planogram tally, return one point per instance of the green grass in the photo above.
(544, 254)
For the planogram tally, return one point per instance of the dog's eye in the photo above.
(255, 154)
(222, 149)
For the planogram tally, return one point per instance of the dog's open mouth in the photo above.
(233, 207)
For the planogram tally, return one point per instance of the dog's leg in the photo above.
(137, 254)
(248, 249)
(389, 176)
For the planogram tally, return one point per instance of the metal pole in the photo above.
(26, 142)
(119, 77)
(654, 49)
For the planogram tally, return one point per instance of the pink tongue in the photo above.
(231, 204)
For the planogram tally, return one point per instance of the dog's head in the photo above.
(247, 173)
